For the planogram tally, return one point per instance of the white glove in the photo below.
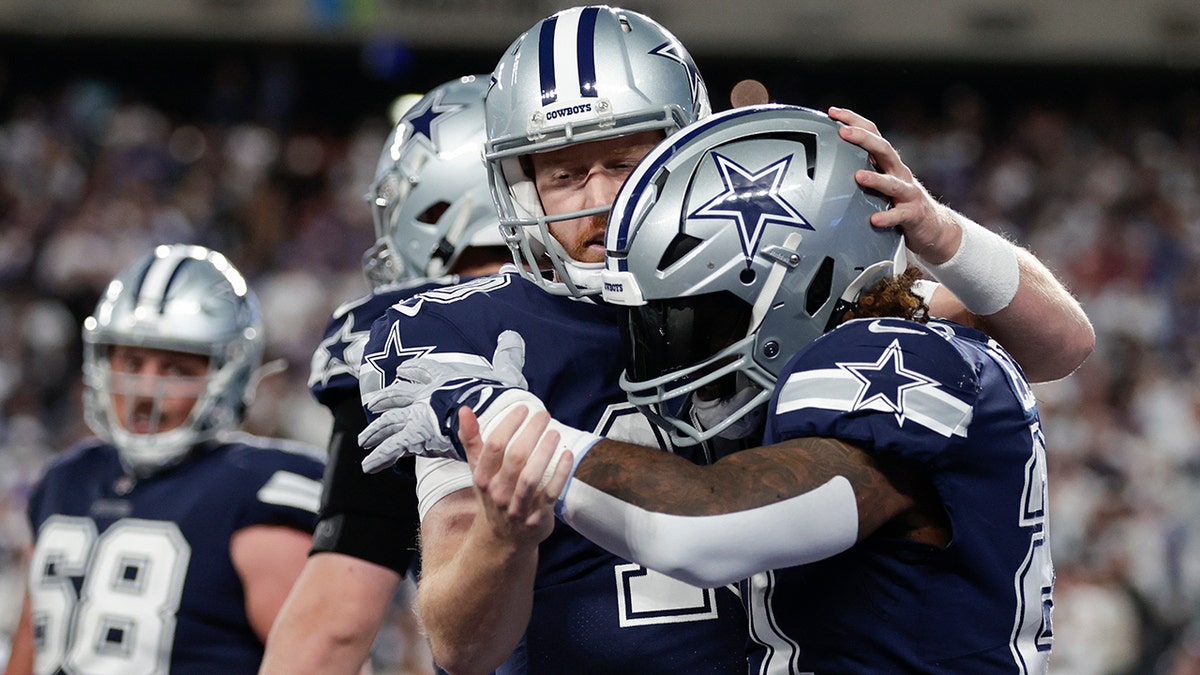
(417, 412)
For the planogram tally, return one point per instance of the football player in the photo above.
(575, 103)
(568, 605)
(168, 542)
(434, 221)
(895, 517)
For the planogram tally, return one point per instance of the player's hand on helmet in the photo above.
(415, 414)
(930, 229)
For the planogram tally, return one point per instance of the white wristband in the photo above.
(983, 273)
(570, 438)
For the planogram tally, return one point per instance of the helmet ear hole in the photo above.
(433, 214)
(747, 276)
(820, 289)
(679, 247)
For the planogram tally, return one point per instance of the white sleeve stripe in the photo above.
(837, 390)
(285, 488)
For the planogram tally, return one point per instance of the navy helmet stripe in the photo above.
(141, 279)
(162, 304)
(546, 61)
(587, 51)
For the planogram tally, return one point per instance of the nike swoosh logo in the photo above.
(880, 327)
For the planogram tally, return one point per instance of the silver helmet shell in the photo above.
(430, 198)
(177, 298)
(732, 243)
(583, 74)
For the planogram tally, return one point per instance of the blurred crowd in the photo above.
(1105, 190)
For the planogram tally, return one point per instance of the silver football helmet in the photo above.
(430, 198)
(732, 243)
(184, 299)
(583, 74)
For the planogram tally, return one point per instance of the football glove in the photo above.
(417, 414)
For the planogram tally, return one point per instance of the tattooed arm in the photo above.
(778, 506)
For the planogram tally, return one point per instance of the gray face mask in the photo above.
(708, 414)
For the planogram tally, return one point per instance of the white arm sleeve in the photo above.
(710, 551)
(438, 477)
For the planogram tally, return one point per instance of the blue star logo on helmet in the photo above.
(422, 121)
(675, 52)
(751, 199)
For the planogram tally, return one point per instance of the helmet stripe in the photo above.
(587, 52)
(158, 278)
(546, 60)
(567, 40)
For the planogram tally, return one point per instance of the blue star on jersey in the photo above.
(752, 199)
(886, 381)
(422, 121)
(393, 348)
(334, 349)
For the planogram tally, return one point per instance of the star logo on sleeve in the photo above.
(393, 353)
(751, 199)
(886, 382)
(422, 120)
(339, 353)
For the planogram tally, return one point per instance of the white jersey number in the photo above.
(1032, 627)
(123, 621)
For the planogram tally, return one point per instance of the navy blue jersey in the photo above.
(592, 612)
(372, 517)
(951, 404)
(333, 375)
(134, 576)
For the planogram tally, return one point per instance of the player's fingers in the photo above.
(502, 433)
(491, 459)
(536, 449)
(468, 434)
(883, 154)
(382, 428)
(498, 439)
(847, 116)
(562, 471)
(888, 185)
(898, 216)
(509, 358)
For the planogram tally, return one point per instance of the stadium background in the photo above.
(254, 125)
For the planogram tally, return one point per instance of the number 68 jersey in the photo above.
(135, 577)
